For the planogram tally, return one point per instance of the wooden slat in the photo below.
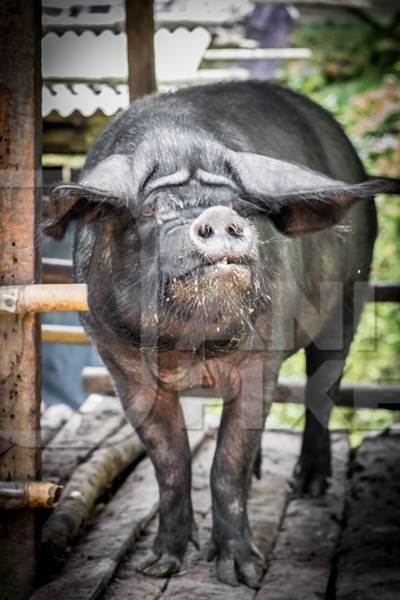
(112, 533)
(266, 507)
(197, 578)
(369, 552)
(301, 562)
(127, 578)
(98, 418)
(20, 148)
(140, 40)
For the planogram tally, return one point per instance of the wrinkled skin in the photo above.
(220, 229)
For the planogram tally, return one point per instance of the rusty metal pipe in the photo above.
(22, 299)
(32, 494)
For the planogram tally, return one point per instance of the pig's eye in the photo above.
(149, 211)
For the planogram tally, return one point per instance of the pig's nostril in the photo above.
(234, 230)
(205, 231)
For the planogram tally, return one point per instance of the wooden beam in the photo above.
(20, 201)
(96, 380)
(140, 40)
(300, 564)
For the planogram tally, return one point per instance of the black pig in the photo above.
(220, 229)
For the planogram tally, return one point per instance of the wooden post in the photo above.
(20, 147)
(140, 41)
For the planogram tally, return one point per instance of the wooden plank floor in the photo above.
(369, 553)
(343, 546)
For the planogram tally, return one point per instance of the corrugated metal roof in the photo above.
(73, 57)
(65, 99)
(74, 14)
(89, 98)
(86, 69)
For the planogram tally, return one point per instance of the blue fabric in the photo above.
(62, 364)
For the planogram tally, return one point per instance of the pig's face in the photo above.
(174, 258)
(184, 271)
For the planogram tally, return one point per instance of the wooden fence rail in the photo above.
(96, 380)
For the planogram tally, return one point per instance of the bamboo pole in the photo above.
(28, 494)
(43, 298)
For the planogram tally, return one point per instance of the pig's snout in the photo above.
(219, 232)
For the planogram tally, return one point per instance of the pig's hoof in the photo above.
(159, 565)
(237, 567)
(309, 482)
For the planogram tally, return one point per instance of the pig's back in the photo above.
(248, 116)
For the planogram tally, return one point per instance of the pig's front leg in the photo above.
(239, 439)
(156, 415)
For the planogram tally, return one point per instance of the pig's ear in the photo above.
(73, 201)
(299, 200)
(109, 185)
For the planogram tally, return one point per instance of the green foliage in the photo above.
(355, 74)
